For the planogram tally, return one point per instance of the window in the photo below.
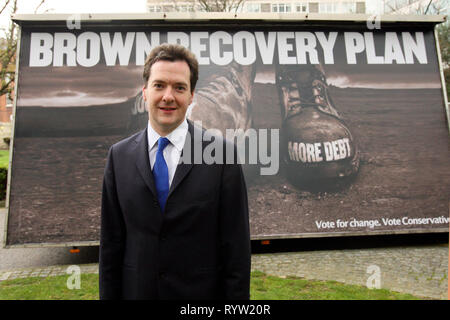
(184, 8)
(360, 7)
(265, 7)
(313, 7)
(168, 8)
(154, 8)
(301, 7)
(347, 7)
(327, 7)
(9, 102)
(281, 7)
(253, 7)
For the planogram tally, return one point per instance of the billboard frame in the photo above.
(218, 19)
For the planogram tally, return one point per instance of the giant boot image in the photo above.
(317, 147)
(222, 101)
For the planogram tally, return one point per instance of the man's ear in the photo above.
(192, 97)
(143, 93)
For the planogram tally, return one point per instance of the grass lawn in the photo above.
(49, 288)
(4, 158)
(263, 287)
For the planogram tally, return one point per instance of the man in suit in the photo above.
(172, 228)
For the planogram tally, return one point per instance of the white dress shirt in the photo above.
(172, 152)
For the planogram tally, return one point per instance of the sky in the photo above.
(102, 6)
(76, 6)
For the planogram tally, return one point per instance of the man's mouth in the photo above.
(167, 108)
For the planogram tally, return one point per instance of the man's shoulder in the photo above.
(129, 141)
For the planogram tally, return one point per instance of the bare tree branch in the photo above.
(40, 4)
(8, 49)
(4, 6)
(216, 5)
(428, 7)
(417, 7)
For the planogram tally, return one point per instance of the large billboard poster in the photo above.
(341, 131)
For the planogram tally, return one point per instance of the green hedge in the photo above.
(3, 181)
(4, 162)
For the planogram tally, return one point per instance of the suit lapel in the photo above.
(183, 168)
(143, 162)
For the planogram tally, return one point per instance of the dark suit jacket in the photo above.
(199, 248)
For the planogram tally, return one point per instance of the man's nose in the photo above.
(168, 95)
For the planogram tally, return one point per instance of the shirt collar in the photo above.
(177, 137)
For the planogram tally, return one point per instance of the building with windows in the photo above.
(256, 6)
(5, 108)
(314, 6)
(171, 6)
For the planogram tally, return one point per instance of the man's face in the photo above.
(168, 95)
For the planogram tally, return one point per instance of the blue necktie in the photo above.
(161, 173)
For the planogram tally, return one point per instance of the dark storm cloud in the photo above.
(369, 76)
(69, 86)
(383, 76)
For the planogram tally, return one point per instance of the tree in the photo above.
(444, 36)
(221, 5)
(210, 5)
(8, 48)
(430, 7)
(418, 7)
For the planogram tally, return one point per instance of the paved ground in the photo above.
(421, 270)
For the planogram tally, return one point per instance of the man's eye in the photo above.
(181, 88)
(158, 85)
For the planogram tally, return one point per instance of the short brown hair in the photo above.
(172, 52)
